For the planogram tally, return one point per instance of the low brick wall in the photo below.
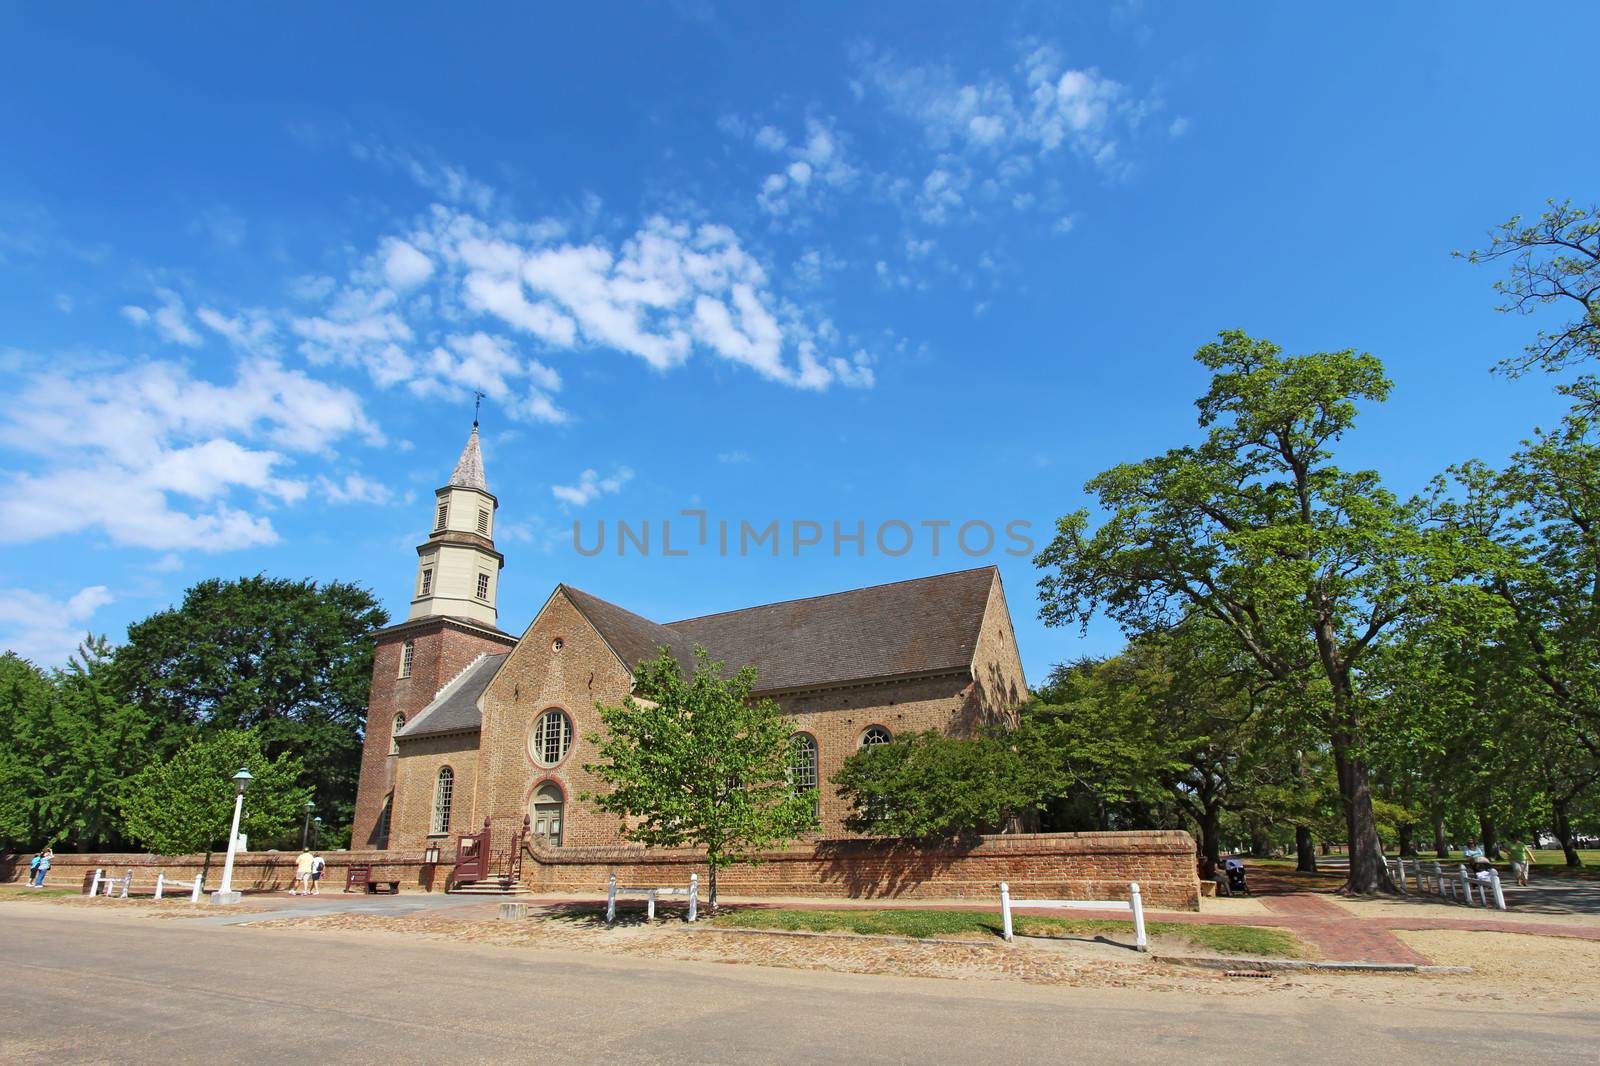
(1036, 865)
(253, 870)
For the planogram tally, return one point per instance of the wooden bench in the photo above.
(362, 875)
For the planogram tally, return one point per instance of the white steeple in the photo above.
(458, 569)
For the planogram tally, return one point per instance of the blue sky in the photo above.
(846, 263)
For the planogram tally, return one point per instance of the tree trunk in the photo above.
(712, 902)
(1563, 828)
(1260, 843)
(1305, 853)
(1487, 835)
(1327, 847)
(1368, 871)
(1408, 846)
(1211, 833)
(1440, 850)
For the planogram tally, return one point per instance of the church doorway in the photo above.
(546, 809)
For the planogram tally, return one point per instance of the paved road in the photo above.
(102, 988)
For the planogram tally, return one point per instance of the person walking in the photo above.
(302, 875)
(318, 864)
(1522, 860)
(39, 867)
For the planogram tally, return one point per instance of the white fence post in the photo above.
(94, 885)
(161, 882)
(1137, 906)
(650, 905)
(611, 899)
(194, 896)
(694, 896)
(127, 880)
(1466, 882)
(1005, 910)
(1499, 894)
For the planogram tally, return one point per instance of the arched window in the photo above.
(382, 832)
(442, 788)
(408, 654)
(876, 735)
(552, 736)
(394, 743)
(802, 761)
(545, 811)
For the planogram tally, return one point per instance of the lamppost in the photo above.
(226, 894)
(305, 830)
(316, 830)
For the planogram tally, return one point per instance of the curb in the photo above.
(1302, 965)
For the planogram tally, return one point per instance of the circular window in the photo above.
(557, 644)
(874, 736)
(552, 736)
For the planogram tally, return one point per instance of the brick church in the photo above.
(470, 725)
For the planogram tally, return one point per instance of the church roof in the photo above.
(925, 625)
(455, 707)
(468, 473)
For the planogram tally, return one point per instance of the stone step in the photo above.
(489, 888)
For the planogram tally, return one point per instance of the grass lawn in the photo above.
(24, 892)
(1224, 939)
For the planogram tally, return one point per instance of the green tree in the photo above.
(1555, 260)
(696, 762)
(291, 659)
(1307, 566)
(927, 786)
(71, 744)
(184, 804)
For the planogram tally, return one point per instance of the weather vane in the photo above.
(477, 401)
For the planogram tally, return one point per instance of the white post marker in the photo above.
(1005, 910)
(650, 905)
(94, 885)
(1499, 894)
(694, 896)
(194, 894)
(127, 882)
(1136, 904)
(161, 882)
(611, 899)
(225, 893)
(1466, 882)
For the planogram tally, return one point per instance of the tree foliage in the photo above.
(696, 762)
(927, 786)
(1305, 565)
(289, 659)
(1553, 261)
(185, 803)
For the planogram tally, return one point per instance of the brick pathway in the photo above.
(1338, 934)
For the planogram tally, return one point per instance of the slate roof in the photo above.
(920, 626)
(455, 708)
(468, 473)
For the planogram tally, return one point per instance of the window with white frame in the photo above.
(483, 586)
(802, 762)
(394, 742)
(427, 580)
(408, 654)
(552, 736)
(442, 788)
(876, 735)
(383, 821)
(483, 521)
(444, 515)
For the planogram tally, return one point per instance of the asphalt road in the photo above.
(78, 987)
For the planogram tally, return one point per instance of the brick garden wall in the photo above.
(1037, 866)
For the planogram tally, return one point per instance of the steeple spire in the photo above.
(468, 473)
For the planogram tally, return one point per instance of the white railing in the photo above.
(1483, 890)
(1132, 904)
(125, 882)
(650, 892)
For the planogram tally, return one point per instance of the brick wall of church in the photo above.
(441, 651)
(416, 781)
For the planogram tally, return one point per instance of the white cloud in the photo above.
(817, 164)
(404, 266)
(154, 457)
(591, 486)
(43, 629)
(734, 458)
(1178, 128)
(171, 320)
(353, 489)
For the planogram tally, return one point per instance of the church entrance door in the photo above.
(546, 810)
